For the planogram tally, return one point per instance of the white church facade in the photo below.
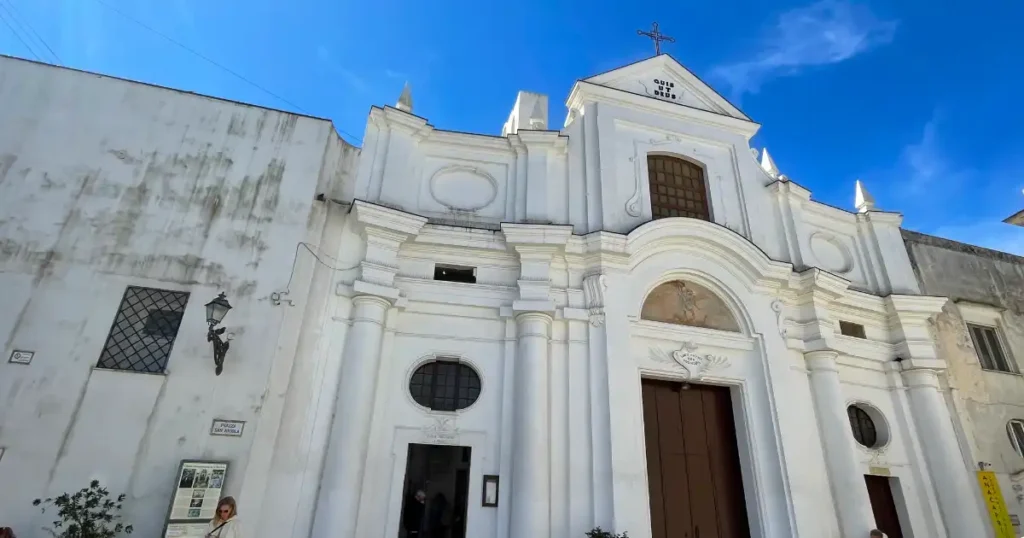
(632, 322)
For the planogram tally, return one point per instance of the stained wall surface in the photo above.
(106, 183)
(985, 288)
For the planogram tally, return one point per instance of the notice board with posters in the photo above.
(197, 490)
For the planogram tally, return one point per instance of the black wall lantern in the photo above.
(215, 312)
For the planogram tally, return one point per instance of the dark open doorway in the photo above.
(441, 473)
(883, 505)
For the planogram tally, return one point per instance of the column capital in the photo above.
(534, 316)
(822, 360)
(372, 299)
(921, 378)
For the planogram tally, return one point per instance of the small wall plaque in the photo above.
(879, 471)
(228, 428)
(21, 357)
(1015, 520)
(490, 493)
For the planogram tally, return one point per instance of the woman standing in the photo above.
(225, 524)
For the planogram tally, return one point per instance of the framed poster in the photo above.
(198, 488)
(186, 530)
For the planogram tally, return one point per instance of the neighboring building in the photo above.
(129, 202)
(980, 335)
(628, 323)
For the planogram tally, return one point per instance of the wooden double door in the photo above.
(693, 468)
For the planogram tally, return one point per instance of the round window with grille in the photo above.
(864, 429)
(445, 385)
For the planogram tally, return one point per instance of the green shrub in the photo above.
(89, 513)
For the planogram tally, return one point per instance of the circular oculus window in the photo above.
(865, 431)
(445, 385)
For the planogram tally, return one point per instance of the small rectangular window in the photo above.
(990, 351)
(455, 273)
(855, 330)
(144, 330)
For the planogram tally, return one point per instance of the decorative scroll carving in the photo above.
(594, 287)
(686, 303)
(780, 316)
(633, 204)
(694, 365)
(443, 431)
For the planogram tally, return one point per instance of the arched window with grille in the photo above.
(678, 188)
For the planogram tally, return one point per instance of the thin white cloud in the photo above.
(350, 78)
(827, 32)
(924, 170)
(395, 74)
(932, 186)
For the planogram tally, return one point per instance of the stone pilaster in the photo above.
(531, 469)
(955, 491)
(384, 230)
(537, 245)
(594, 287)
(848, 488)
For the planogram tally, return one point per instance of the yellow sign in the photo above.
(993, 498)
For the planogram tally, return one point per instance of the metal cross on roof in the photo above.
(657, 37)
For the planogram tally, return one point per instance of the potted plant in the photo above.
(88, 513)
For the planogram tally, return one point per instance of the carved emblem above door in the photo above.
(693, 364)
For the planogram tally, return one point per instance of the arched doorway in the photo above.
(693, 466)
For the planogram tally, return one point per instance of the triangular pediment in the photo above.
(665, 79)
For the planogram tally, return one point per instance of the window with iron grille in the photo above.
(990, 351)
(864, 430)
(677, 188)
(144, 330)
(1015, 429)
(445, 386)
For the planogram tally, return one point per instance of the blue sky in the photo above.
(918, 101)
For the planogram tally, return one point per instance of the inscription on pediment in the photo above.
(661, 88)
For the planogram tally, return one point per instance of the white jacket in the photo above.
(231, 529)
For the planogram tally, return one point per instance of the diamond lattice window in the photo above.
(144, 330)
(677, 188)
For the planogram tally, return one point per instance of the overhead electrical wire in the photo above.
(212, 62)
(18, 37)
(22, 21)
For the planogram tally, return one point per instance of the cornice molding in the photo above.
(536, 234)
(386, 218)
(919, 307)
(678, 333)
(540, 139)
(881, 217)
(439, 234)
(412, 123)
(819, 284)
